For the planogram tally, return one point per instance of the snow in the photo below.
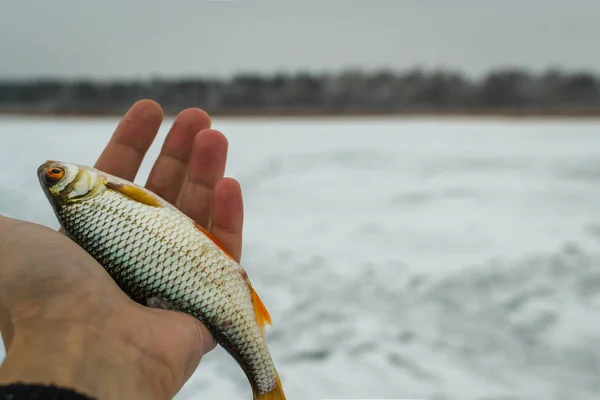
(399, 258)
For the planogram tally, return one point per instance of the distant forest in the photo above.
(502, 91)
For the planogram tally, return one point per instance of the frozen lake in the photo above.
(399, 258)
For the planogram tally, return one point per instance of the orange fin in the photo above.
(275, 394)
(211, 237)
(135, 193)
(262, 314)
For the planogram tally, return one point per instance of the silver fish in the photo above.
(154, 251)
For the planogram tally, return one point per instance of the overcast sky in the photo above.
(142, 38)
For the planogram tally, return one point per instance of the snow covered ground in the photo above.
(399, 258)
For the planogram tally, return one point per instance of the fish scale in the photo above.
(136, 276)
(158, 252)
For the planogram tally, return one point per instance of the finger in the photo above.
(168, 173)
(204, 343)
(228, 216)
(206, 168)
(127, 147)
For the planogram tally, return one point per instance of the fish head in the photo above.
(64, 183)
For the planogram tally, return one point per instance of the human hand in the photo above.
(64, 321)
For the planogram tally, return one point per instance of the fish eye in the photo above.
(54, 174)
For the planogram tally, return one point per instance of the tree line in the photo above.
(351, 91)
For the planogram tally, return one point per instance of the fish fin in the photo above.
(136, 193)
(275, 394)
(158, 302)
(262, 314)
(214, 239)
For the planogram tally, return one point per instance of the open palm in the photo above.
(188, 173)
(49, 277)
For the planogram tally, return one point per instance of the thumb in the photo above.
(186, 338)
(204, 343)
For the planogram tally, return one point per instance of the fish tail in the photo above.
(275, 394)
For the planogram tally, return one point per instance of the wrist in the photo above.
(92, 361)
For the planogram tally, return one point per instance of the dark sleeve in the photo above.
(20, 391)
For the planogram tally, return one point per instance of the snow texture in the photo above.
(399, 258)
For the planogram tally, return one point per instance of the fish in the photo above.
(158, 255)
